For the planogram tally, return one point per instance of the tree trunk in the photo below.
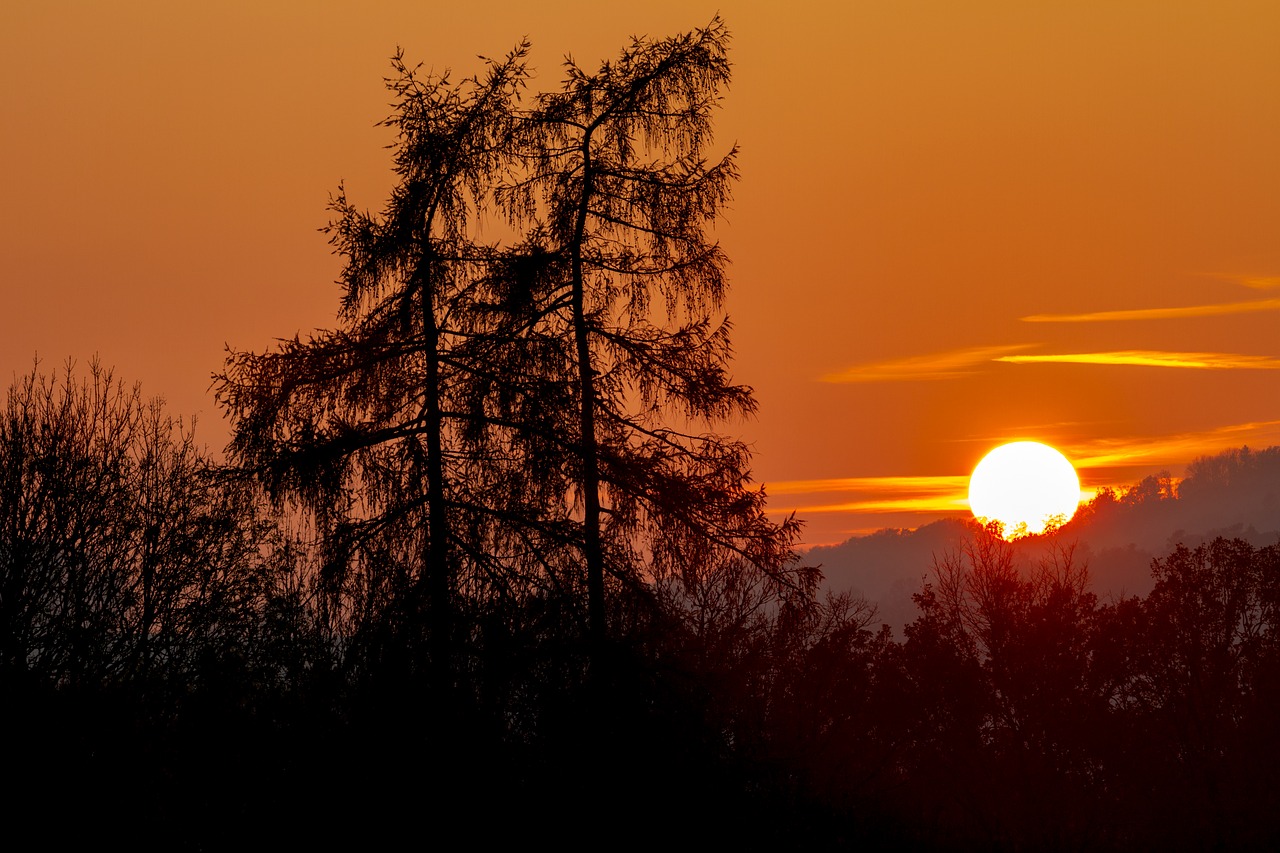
(591, 547)
(438, 568)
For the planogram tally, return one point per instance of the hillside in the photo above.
(1235, 494)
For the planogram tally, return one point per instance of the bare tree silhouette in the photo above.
(123, 557)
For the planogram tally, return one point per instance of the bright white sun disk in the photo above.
(1025, 486)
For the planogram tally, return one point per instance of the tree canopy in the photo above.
(538, 413)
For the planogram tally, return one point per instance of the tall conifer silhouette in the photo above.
(620, 193)
(364, 424)
(540, 413)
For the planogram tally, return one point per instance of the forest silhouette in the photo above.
(481, 566)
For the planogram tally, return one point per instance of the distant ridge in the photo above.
(1235, 494)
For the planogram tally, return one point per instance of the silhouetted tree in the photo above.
(498, 434)
(378, 428)
(1204, 686)
(479, 397)
(619, 196)
(124, 557)
(1010, 709)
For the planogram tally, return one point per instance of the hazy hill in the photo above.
(1233, 494)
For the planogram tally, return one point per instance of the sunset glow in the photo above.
(998, 221)
(838, 426)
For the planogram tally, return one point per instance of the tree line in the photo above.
(481, 560)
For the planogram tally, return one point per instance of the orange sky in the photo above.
(959, 223)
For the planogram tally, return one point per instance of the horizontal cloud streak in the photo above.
(948, 493)
(952, 503)
(1256, 282)
(943, 365)
(927, 494)
(931, 484)
(1175, 449)
(1154, 358)
(1162, 313)
(1260, 282)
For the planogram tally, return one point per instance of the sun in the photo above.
(1024, 485)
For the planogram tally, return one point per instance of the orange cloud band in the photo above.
(1260, 282)
(948, 493)
(1154, 358)
(1171, 449)
(929, 484)
(1160, 313)
(1256, 282)
(942, 365)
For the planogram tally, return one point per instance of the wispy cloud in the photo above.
(1260, 282)
(958, 502)
(1213, 310)
(1154, 358)
(1257, 282)
(942, 365)
(877, 494)
(1174, 449)
(929, 484)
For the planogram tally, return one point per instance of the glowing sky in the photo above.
(959, 223)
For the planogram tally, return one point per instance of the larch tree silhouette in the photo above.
(538, 413)
(619, 193)
(366, 427)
